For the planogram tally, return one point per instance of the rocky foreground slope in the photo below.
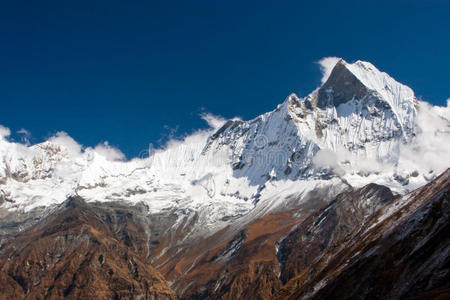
(366, 243)
(335, 195)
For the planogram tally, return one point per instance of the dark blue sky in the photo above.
(125, 71)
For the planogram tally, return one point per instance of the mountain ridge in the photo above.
(269, 258)
(251, 209)
(243, 162)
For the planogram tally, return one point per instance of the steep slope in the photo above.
(250, 209)
(257, 261)
(352, 129)
(401, 252)
(106, 249)
(347, 213)
(80, 252)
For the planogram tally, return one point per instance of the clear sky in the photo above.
(131, 72)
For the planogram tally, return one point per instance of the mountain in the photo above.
(285, 205)
(400, 252)
(76, 253)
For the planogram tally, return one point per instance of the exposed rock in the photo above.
(403, 254)
(341, 86)
(75, 254)
(365, 242)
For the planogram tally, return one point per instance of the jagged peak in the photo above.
(360, 80)
(349, 80)
(366, 74)
(340, 87)
(377, 80)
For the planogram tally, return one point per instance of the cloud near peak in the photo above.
(326, 66)
(109, 152)
(215, 122)
(4, 132)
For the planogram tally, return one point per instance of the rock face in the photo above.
(365, 242)
(76, 253)
(341, 87)
(327, 227)
(295, 203)
(403, 253)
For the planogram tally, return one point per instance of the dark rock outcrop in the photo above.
(340, 87)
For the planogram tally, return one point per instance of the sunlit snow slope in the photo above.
(359, 127)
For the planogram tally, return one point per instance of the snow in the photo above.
(400, 97)
(326, 66)
(250, 168)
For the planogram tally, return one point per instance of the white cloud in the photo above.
(342, 161)
(169, 135)
(215, 122)
(26, 135)
(429, 151)
(61, 138)
(4, 132)
(24, 132)
(443, 111)
(109, 152)
(325, 158)
(326, 66)
(431, 148)
(173, 140)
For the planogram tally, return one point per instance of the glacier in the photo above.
(360, 126)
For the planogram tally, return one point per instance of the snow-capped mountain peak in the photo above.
(352, 130)
(361, 80)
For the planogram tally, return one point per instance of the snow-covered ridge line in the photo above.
(379, 132)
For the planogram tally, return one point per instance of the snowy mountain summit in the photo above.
(360, 126)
